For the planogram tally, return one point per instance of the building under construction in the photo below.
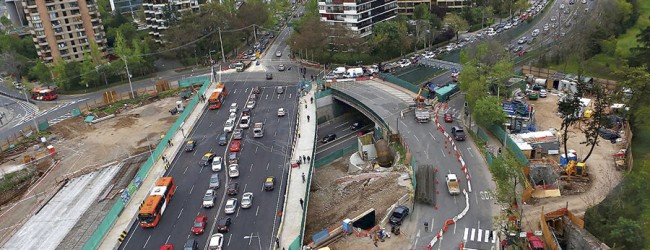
(561, 229)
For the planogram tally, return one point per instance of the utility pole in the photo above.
(223, 56)
(255, 32)
(128, 76)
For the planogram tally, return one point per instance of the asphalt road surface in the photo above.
(344, 134)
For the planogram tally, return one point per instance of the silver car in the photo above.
(214, 181)
(208, 198)
(247, 200)
(231, 206)
(278, 53)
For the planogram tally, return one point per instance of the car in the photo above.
(222, 139)
(166, 247)
(256, 90)
(232, 116)
(233, 108)
(458, 133)
(399, 214)
(231, 206)
(214, 181)
(209, 197)
(542, 93)
(223, 225)
(356, 126)
(281, 112)
(191, 244)
(216, 242)
(328, 138)
(278, 53)
(518, 48)
(233, 171)
(245, 122)
(235, 145)
(199, 224)
(584, 1)
(269, 183)
(247, 200)
(507, 27)
(449, 117)
(233, 158)
(217, 163)
(246, 112)
(229, 125)
(250, 104)
(206, 159)
(521, 53)
(237, 134)
(269, 76)
(572, 1)
(522, 40)
(553, 19)
(190, 145)
(233, 188)
(561, 6)
(281, 67)
(535, 33)
(279, 90)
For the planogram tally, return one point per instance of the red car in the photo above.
(521, 53)
(449, 117)
(167, 247)
(199, 224)
(235, 145)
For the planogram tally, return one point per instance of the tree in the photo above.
(635, 90)
(569, 108)
(488, 111)
(90, 76)
(389, 39)
(455, 22)
(598, 117)
(41, 72)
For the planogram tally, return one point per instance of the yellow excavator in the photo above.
(420, 99)
(576, 169)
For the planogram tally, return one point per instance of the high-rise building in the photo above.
(125, 6)
(16, 12)
(64, 29)
(406, 7)
(452, 4)
(158, 14)
(357, 15)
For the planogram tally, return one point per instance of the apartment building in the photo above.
(159, 13)
(125, 6)
(357, 15)
(452, 4)
(406, 7)
(64, 29)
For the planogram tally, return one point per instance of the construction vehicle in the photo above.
(421, 112)
(577, 170)
(242, 65)
(452, 184)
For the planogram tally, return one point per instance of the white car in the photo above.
(208, 198)
(281, 112)
(231, 206)
(217, 163)
(216, 242)
(492, 33)
(233, 171)
(535, 33)
(233, 108)
(247, 200)
(507, 27)
(233, 116)
(542, 93)
(561, 6)
(229, 126)
(245, 122)
(278, 53)
(250, 104)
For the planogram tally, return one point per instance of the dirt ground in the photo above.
(600, 166)
(79, 146)
(336, 195)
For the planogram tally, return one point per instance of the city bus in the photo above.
(44, 94)
(154, 205)
(217, 96)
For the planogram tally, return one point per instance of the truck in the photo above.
(242, 65)
(422, 114)
(258, 130)
(452, 184)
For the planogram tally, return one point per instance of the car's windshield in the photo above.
(198, 224)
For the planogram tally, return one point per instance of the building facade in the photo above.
(159, 13)
(406, 7)
(357, 15)
(452, 4)
(64, 29)
(125, 6)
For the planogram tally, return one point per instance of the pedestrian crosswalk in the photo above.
(479, 235)
(59, 119)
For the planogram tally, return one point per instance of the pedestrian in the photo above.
(499, 150)
(164, 159)
(312, 77)
(169, 142)
(426, 226)
(308, 158)
(307, 118)
(302, 203)
(303, 177)
(311, 99)
(298, 135)
(305, 105)
(277, 242)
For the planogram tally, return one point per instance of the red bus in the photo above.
(154, 205)
(44, 94)
(217, 96)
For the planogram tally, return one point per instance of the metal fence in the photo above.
(399, 82)
(116, 210)
(324, 160)
(481, 134)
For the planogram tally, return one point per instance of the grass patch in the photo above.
(628, 39)
(601, 65)
(399, 149)
(14, 179)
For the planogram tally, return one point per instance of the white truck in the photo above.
(258, 130)
(452, 184)
(422, 115)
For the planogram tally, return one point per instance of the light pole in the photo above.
(223, 57)
(128, 76)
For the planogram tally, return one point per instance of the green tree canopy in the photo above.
(488, 111)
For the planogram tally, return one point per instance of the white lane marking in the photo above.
(145, 243)
(191, 189)
(267, 166)
(257, 210)
(179, 213)
(469, 150)
(168, 239)
(472, 236)
(229, 238)
(465, 234)
(251, 170)
(443, 152)
(480, 233)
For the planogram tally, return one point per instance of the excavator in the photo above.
(422, 115)
(576, 169)
(420, 99)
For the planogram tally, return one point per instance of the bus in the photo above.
(217, 96)
(154, 205)
(44, 94)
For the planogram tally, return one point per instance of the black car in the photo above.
(458, 133)
(223, 139)
(246, 112)
(233, 188)
(223, 225)
(356, 126)
(190, 145)
(269, 76)
(398, 215)
(328, 138)
(256, 90)
(191, 244)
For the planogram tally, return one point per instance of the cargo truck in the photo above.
(258, 130)
(422, 114)
(452, 184)
(242, 65)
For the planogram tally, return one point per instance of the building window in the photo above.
(36, 17)
(40, 33)
(54, 15)
(38, 25)
(74, 4)
(51, 8)
(58, 30)
(56, 23)
(61, 45)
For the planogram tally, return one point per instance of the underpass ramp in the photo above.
(425, 177)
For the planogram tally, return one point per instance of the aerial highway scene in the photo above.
(310, 124)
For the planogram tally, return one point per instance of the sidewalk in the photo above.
(129, 213)
(296, 197)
